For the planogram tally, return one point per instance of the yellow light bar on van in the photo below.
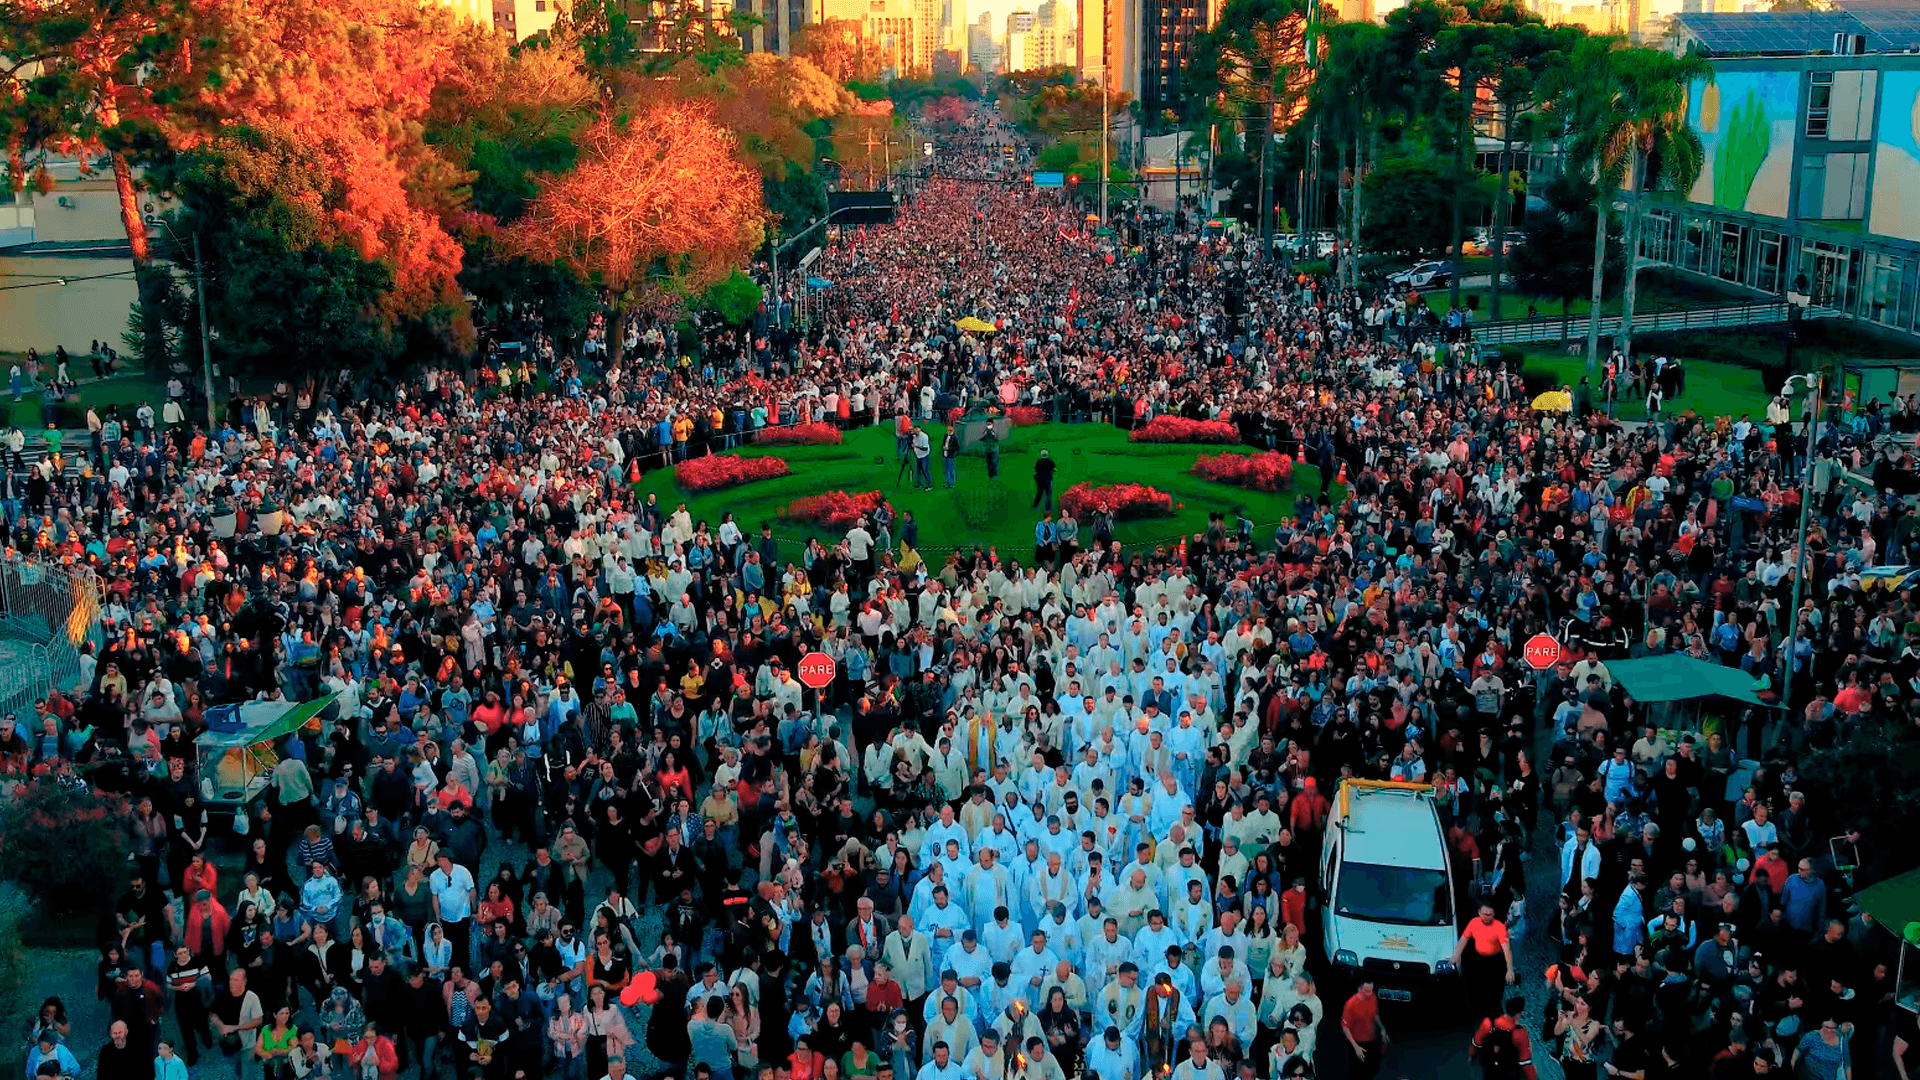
(1348, 785)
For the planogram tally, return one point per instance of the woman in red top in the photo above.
(497, 907)
(804, 1063)
(674, 781)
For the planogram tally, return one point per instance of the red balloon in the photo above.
(648, 986)
(631, 995)
(1109, 258)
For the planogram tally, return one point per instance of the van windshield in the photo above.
(1403, 896)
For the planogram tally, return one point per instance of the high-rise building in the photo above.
(926, 34)
(1021, 49)
(480, 11)
(953, 29)
(525, 19)
(1089, 54)
(1054, 36)
(780, 21)
(1165, 47)
(891, 26)
(981, 46)
(1103, 43)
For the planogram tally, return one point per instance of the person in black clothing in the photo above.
(483, 1042)
(123, 1057)
(143, 911)
(189, 979)
(523, 1016)
(139, 1004)
(675, 868)
(1043, 480)
(425, 1027)
(385, 998)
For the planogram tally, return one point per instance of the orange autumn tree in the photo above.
(355, 79)
(659, 206)
(768, 103)
(840, 48)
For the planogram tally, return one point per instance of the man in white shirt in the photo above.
(1112, 1057)
(941, 1065)
(454, 899)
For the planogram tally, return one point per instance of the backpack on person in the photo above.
(1500, 1057)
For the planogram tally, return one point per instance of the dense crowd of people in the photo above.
(1051, 820)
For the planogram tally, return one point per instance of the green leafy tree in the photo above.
(734, 298)
(1558, 245)
(1411, 200)
(607, 37)
(288, 292)
(1467, 65)
(1646, 136)
(1252, 64)
(1531, 51)
(67, 845)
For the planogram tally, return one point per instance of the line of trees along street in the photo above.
(362, 174)
(1376, 126)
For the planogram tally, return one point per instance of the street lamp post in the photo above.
(206, 349)
(1815, 391)
(200, 295)
(774, 257)
(1106, 125)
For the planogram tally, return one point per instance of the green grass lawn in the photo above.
(1657, 292)
(125, 391)
(1713, 389)
(999, 511)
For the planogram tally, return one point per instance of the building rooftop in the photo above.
(1887, 26)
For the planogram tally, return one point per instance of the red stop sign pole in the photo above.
(1541, 651)
(816, 671)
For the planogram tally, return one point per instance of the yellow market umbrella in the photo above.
(1554, 401)
(976, 326)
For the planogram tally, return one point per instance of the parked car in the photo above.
(1426, 275)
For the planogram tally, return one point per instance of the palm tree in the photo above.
(1255, 56)
(1646, 136)
(1533, 52)
(1339, 105)
(1579, 102)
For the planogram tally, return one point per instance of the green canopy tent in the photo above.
(1676, 685)
(1895, 905)
(1682, 678)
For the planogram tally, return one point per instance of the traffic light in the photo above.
(1074, 180)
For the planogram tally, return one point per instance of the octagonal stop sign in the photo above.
(1541, 651)
(816, 670)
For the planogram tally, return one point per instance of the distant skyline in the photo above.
(1000, 9)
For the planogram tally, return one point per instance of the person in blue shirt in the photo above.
(1043, 536)
(48, 1048)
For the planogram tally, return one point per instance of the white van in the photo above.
(1388, 913)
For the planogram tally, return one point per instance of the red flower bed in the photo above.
(1026, 415)
(1123, 500)
(1173, 429)
(716, 471)
(835, 509)
(1269, 471)
(799, 435)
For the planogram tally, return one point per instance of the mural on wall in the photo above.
(1895, 209)
(1746, 120)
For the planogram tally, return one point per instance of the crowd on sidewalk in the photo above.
(1051, 820)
